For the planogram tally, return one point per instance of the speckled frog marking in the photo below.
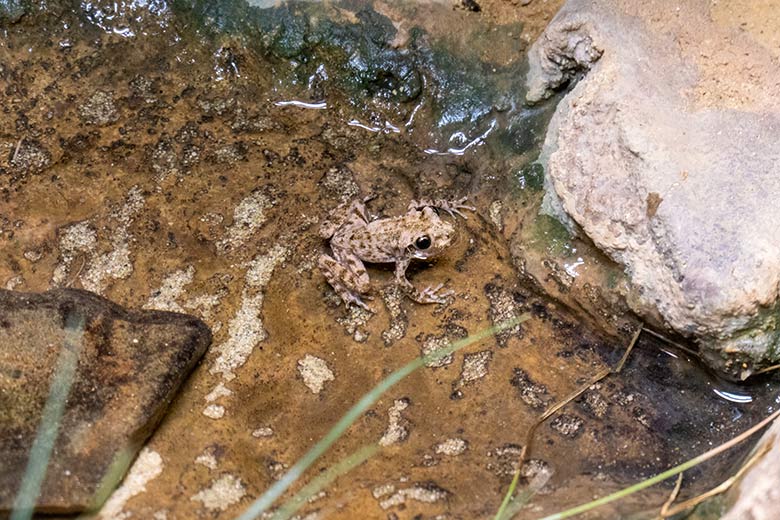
(354, 239)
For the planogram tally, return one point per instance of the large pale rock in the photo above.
(666, 155)
(129, 367)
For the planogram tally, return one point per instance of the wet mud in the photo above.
(171, 165)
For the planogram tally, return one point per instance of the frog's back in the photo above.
(377, 242)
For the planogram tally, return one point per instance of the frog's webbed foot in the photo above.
(354, 298)
(427, 295)
(453, 207)
(432, 294)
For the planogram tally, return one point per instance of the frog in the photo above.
(419, 234)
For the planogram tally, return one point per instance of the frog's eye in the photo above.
(424, 242)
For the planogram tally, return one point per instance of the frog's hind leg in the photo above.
(348, 278)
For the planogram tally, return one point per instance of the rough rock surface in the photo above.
(756, 495)
(130, 365)
(665, 154)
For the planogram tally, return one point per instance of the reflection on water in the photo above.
(571, 268)
(302, 104)
(685, 388)
(724, 389)
(388, 127)
(123, 17)
(734, 397)
(463, 143)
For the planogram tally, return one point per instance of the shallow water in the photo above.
(181, 155)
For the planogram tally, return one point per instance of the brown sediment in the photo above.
(180, 192)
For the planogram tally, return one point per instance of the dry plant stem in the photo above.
(765, 370)
(529, 437)
(667, 510)
(504, 511)
(623, 360)
(76, 276)
(16, 150)
(552, 410)
(670, 342)
(671, 499)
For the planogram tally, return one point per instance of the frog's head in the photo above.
(429, 235)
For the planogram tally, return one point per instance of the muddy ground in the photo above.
(160, 170)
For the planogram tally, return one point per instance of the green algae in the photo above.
(12, 10)
(530, 178)
(360, 57)
(553, 235)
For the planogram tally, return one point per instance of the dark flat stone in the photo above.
(130, 366)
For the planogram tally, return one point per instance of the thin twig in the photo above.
(16, 150)
(78, 272)
(622, 362)
(671, 342)
(575, 394)
(529, 437)
(671, 499)
(765, 370)
(557, 406)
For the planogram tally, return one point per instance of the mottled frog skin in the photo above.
(420, 233)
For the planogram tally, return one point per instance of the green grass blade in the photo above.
(509, 497)
(320, 481)
(516, 503)
(116, 471)
(280, 486)
(43, 444)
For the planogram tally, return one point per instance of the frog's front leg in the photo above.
(452, 207)
(427, 295)
(347, 275)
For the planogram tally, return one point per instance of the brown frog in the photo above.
(420, 233)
